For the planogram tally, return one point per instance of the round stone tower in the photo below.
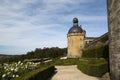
(76, 40)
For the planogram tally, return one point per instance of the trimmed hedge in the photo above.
(96, 52)
(42, 73)
(65, 61)
(93, 67)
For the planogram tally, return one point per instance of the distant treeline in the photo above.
(38, 53)
(53, 52)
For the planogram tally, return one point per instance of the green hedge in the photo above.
(93, 67)
(65, 61)
(96, 52)
(42, 73)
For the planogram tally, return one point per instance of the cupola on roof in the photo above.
(76, 28)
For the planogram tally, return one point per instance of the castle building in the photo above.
(76, 40)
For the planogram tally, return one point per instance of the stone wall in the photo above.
(98, 41)
(114, 37)
(89, 40)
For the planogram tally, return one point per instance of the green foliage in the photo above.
(96, 52)
(1, 71)
(38, 53)
(94, 67)
(65, 61)
(53, 52)
(96, 62)
(42, 73)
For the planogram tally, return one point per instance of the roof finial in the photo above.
(75, 22)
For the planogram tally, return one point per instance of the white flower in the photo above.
(8, 73)
(16, 69)
(13, 75)
(19, 62)
(26, 66)
(17, 76)
(12, 69)
(5, 67)
(3, 75)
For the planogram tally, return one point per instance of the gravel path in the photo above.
(71, 73)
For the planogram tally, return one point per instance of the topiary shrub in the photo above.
(93, 67)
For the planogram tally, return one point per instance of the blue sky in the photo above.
(29, 24)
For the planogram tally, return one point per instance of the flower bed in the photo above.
(9, 71)
(42, 73)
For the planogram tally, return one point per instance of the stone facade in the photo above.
(75, 45)
(114, 37)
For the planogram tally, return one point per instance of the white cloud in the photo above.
(41, 23)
